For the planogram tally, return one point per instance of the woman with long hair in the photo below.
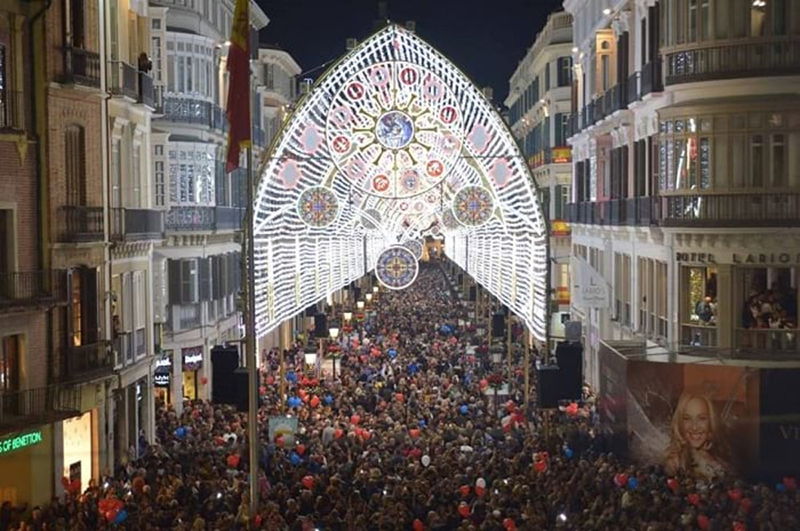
(696, 446)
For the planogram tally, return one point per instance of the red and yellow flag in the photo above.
(239, 85)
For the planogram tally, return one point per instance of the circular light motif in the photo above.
(370, 218)
(449, 220)
(380, 183)
(410, 181)
(394, 130)
(473, 206)
(415, 247)
(397, 268)
(318, 207)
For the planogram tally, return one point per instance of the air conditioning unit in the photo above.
(305, 86)
(411, 25)
(351, 43)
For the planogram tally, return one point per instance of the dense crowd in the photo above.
(410, 436)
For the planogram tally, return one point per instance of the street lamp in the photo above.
(347, 316)
(369, 297)
(311, 358)
(334, 332)
(375, 289)
(360, 305)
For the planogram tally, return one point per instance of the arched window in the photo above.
(75, 164)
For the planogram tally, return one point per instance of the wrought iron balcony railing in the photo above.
(80, 224)
(135, 224)
(87, 362)
(40, 405)
(748, 59)
(228, 218)
(30, 288)
(731, 210)
(652, 77)
(123, 79)
(190, 219)
(81, 67)
(147, 90)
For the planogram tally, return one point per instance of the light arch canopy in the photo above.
(392, 144)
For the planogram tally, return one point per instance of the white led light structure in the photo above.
(388, 137)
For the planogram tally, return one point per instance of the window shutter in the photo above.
(89, 313)
(237, 272)
(216, 281)
(204, 265)
(174, 281)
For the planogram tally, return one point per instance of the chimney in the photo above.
(488, 93)
(350, 44)
(411, 25)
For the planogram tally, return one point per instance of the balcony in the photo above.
(731, 210)
(187, 110)
(190, 219)
(633, 211)
(555, 155)
(147, 91)
(86, 362)
(80, 224)
(228, 218)
(750, 59)
(41, 405)
(32, 288)
(136, 224)
(81, 67)
(634, 89)
(123, 80)
(13, 112)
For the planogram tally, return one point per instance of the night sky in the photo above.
(485, 38)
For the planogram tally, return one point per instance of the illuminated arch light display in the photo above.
(415, 247)
(385, 147)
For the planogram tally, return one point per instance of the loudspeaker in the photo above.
(498, 325)
(547, 388)
(320, 325)
(224, 362)
(461, 279)
(570, 363)
(356, 293)
(311, 311)
(473, 293)
(241, 390)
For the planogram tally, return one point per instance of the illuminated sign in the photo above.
(192, 358)
(561, 155)
(161, 379)
(164, 362)
(19, 442)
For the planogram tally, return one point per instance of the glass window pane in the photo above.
(705, 163)
(757, 160)
(778, 160)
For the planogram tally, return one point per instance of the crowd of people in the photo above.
(409, 436)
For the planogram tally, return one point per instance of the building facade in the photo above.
(539, 103)
(197, 269)
(686, 175)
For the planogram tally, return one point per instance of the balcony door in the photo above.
(10, 358)
(76, 23)
(75, 164)
(83, 323)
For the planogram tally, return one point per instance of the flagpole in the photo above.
(250, 321)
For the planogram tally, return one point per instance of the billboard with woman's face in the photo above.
(698, 420)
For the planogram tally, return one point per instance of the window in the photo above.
(156, 24)
(692, 20)
(564, 71)
(606, 67)
(705, 19)
(76, 30)
(160, 186)
(155, 52)
(84, 322)
(779, 17)
(758, 14)
(739, 18)
(75, 165)
(136, 176)
(5, 110)
(561, 124)
(778, 160)
(561, 200)
(189, 281)
(757, 160)
(10, 364)
(547, 77)
(116, 174)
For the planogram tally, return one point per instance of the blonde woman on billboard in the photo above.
(696, 446)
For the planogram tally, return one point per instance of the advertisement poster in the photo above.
(698, 420)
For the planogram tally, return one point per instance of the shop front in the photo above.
(78, 442)
(741, 300)
(162, 380)
(26, 461)
(192, 361)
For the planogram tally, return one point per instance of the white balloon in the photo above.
(426, 460)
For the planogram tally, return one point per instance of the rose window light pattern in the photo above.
(397, 268)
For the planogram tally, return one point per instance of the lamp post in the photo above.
(334, 332)
(360, 305)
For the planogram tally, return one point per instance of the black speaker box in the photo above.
(570, 362)
(320, 325)
(498, 325)
(311, 311)
(473, 293)
(461, 279)
(241, 389)
(356, 293)
(547, 388)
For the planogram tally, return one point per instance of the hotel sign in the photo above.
(739, 258)
(18, 442)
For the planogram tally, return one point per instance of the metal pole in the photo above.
(527, 376)
(250, 337)
(510, 351)
(282, 370)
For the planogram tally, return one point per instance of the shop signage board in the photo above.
(18, 442)
(589, 288)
